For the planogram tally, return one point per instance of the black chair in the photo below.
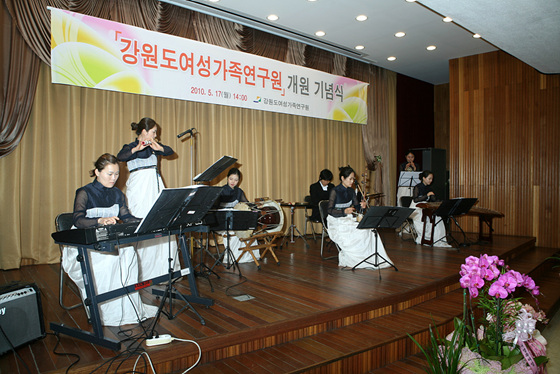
(408, 225)
(308, 219)
(323, 206)
(64, 222)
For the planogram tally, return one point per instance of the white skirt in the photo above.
(439, 231)
(235, 246)
(356, 244)
(142, 189)
(111, 270)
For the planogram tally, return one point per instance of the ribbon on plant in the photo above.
(524, 328)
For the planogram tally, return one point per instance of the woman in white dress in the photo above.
(230, 196)
(355, 244)
(97, 204)
(423, 193)
(142, 189)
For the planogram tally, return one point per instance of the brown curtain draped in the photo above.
(20, 68)
(69, 127)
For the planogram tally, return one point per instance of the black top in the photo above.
(316, 194)
(341, 198)
(95, 195)
(403, 167)
(229, 197)
(420, 193)
(126, 152)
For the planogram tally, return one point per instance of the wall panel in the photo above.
(504, 141)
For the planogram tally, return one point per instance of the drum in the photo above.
(271, 218)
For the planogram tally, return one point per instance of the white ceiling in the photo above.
(300, 19)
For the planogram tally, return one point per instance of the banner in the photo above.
(93, 52)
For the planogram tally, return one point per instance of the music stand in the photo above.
(409, 178)
(177, 208)
(382, 217)
(231, 220)
(449, 209)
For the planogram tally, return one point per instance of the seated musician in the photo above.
(355, 244)
(423, 192)
(318, 191)
(97, 204)
(230, 196)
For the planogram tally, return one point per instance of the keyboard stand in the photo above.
(93, 299)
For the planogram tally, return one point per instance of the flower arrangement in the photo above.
(505, 339)
(507, 331)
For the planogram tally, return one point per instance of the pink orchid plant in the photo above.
(507, 332)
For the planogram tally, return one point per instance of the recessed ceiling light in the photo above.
(400, 34)
(476, 36)
(410, 1)
(431, 47)
(311, 1)
(448, 19)
(320, 33)
(213, 1)
(359, 47)
(361, 17)
(272, 17)
(391, 58)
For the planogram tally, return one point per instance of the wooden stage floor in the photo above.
(288, 301)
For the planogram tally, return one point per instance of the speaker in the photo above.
(21, 316)
(433, 159)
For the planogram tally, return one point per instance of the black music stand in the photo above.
(382, 217)
(230, 220)
(177, 208)
(448, 210)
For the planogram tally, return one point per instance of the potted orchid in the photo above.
(506, 338)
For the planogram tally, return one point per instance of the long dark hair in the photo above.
(103, 160)
(145, 123)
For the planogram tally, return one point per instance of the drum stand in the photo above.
(294, 227)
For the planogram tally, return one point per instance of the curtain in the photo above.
(69, 127)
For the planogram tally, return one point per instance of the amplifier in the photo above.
(21, 316)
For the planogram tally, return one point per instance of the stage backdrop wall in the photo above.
(504, 143)
(70, 127)
(279, 155)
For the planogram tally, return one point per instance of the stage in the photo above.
(305, 314)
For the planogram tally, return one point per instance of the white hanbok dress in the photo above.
(110, 270)
(235, 244)
(440, 239)
(356, 244)
(142, 189)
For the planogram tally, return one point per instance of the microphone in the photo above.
(189, 131)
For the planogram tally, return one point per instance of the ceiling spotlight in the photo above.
(213, 1)
(361, 17)
(476, 36)
(391, 58)
(410, 1)
(320, 33)
(359, 47)
(400, 34)
(272, 17)
(447, 19)
(431, 47)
